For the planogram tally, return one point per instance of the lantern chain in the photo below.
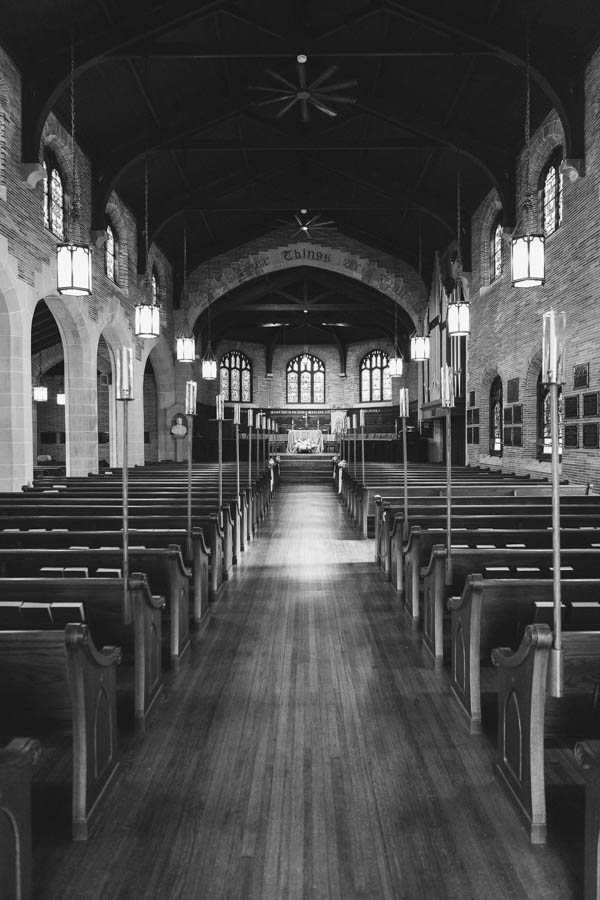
(74, 205)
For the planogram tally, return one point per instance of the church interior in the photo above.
(299, 449)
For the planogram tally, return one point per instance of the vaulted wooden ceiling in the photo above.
(394, 97)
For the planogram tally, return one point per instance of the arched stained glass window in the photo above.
(544, 426)
(54, 199)
(154, 289)
(375, 378)
(552, 194)
(305, 380)
(496, 250)
(496, 417)
(110, 254)
(236, 377)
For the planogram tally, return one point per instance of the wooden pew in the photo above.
(410, 557)
(66, 534)
(432, 513)
(526, 714)
(491, 562)
(163, 567)
(587, 754)
(130, 620)
(516, 520)
(138, 539)
(56, 680)
(496, 611)
(16, 763)
(218, 527)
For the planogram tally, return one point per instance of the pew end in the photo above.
(57, 683)
(527, 714)
(17, 760)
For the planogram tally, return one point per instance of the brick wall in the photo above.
(506, 333)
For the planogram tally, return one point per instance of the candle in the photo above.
(125, 373)
(191, 390)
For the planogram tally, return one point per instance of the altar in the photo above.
(305, 441)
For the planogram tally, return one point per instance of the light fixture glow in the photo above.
(73, 258)
(40, 393)
(186, 348)
(527, 262)
(396, 365)
(147, 320)
(73, 269)
(209, 363)
(458, 318)
(420, 347)
(147, 314)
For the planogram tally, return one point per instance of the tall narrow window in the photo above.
(236, 377)
(54, 199)
(154, 289)
(375, 379)
(552, 194)
(305, 380)
(496, 250)
(111, 252)
(496, 417)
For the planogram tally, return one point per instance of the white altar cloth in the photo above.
(296, 436)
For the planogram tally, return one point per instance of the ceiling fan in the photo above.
(319, 93)
(308, 226)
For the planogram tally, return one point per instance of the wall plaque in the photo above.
(581, 375)
(590, 434)
(590, 404)
(571, 436)
(572, 406)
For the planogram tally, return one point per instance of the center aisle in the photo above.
(306, 749)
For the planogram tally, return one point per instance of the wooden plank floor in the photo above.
(307, 749)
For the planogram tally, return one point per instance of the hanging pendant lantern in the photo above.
(185, 342)
(61, 398)
(73, 258)
(209, 365)
(527, 261)
(458, 318)
(73, 269)
(40, 392)
(185, 348)
(396, 362)
(527, 264)
(147, 310)
(420, 347)
(40, 388)
(396, 365)
(147, 320)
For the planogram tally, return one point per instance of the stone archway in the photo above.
(390, 276)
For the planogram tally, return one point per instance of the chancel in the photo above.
(300, 450)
